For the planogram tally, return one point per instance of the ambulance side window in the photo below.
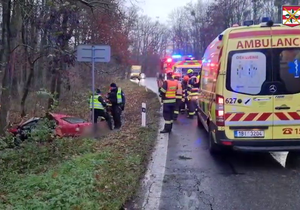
(287, 68)
(248, 70)
(209, 71)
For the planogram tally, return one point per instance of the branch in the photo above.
(93, 4)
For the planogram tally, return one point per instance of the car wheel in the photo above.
(212, 146)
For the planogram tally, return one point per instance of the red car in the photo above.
(65, 125)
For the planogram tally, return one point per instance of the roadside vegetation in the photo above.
(81, 173)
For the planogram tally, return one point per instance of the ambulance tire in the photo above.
(213, 148)
(293, 160)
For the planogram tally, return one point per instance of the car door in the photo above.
(248, 101)
(287, 96)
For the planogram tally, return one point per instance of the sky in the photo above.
(161, 8)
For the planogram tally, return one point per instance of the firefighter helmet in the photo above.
(190, 71)
(169, 74)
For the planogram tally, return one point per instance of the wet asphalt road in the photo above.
(231, 181)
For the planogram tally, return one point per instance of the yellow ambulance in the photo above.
(250, 88)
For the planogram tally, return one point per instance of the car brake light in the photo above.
(78, 128)
(220, 121)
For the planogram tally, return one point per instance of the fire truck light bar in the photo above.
(176, 56)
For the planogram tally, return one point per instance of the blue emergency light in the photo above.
(176, 56)
(265, 19)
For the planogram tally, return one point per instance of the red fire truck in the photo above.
(168, 62)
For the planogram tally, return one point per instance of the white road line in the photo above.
(280, 157)
(153, 180)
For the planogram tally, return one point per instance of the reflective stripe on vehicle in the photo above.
(247, 117)
(266, 118)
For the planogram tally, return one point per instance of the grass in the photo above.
(82, 173)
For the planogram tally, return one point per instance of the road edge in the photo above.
(154, 176)
(152, 181)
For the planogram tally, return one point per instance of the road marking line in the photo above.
(153, 180)
(280, 157)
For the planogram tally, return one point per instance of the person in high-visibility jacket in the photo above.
(99, 109)
(192, 92)
(117, 99)
(168, 94)
(184, 85)
(159, 80)
(178, 98)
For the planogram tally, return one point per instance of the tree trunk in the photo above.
(26, 90)
(5, 96)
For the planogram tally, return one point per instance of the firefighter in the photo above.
(168, 94)
(184, 93)
(192, 91)
(117, 99)
(178, 98)
(198, 78)
(99, 109)
(160, 80)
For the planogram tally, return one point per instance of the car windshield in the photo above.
(184, 70)
(135, 71)
(74, 120)
(249, 71)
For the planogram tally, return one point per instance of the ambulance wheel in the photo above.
(293, 160)
(212, 146)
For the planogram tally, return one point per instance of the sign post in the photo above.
(143, 114)
(93, 54)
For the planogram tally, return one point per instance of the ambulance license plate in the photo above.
(249, 134)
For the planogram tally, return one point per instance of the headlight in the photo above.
(194, 97)
(142, 76)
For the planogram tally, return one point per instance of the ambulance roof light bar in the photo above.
(265, 19)
(248, 22)
(266, 22)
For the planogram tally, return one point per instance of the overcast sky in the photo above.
(161, 8)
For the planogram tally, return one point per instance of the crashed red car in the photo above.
(65, 125)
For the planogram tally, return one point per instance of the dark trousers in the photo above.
(116, 112)
(101, 113)
(191, 105)
(168, 114)
(185, 102)
(177, 108)
(182, 106)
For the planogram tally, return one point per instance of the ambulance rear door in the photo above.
(247, 98)
(286, 65)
